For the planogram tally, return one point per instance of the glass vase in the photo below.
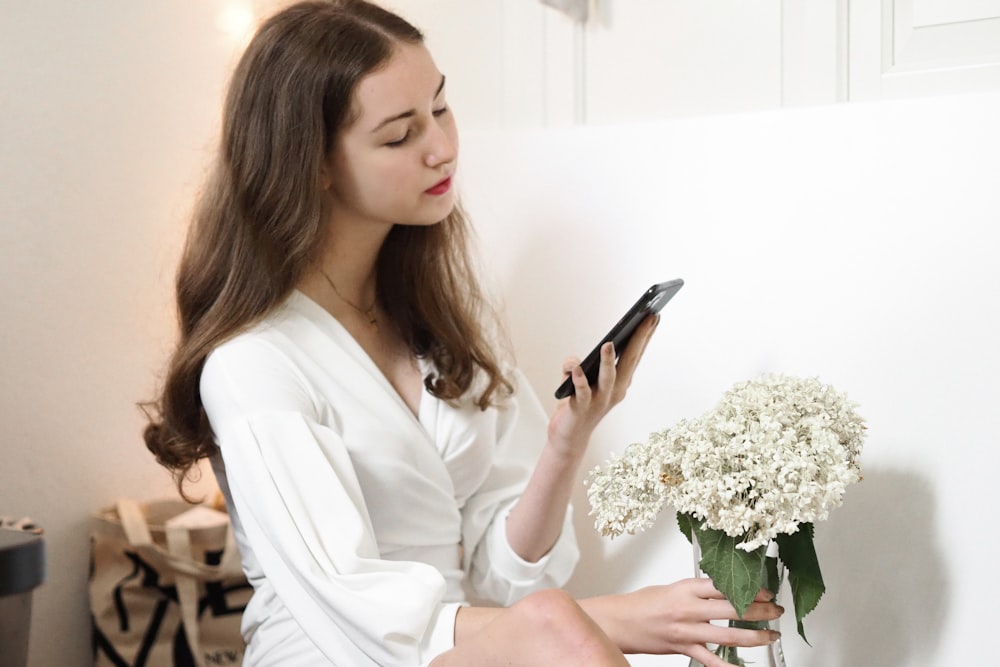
(771, 655)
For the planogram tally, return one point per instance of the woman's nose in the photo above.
(442, 147)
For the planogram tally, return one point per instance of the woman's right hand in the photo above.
(675, 619)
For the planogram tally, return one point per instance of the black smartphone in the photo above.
(652, 301)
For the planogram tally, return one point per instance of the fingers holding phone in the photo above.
(583, 386)
(575, 419)
(631, 356)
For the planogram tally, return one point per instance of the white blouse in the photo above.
(363, 527)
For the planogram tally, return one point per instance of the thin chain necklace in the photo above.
(368, 313)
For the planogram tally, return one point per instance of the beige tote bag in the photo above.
(166, 587)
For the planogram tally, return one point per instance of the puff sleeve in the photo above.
(302, 519)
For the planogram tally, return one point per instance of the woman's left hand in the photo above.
(576, 417)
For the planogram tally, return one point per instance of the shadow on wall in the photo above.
(887, 583)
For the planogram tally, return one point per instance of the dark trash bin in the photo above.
(22, 569)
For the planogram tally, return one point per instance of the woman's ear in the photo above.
(328, 170)
(326, 173)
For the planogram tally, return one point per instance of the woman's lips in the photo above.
(441, 188)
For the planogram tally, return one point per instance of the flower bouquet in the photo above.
(775, 456)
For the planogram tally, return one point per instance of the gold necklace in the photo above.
(368, 313)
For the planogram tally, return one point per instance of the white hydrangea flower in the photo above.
(774, 453)
(628, 496)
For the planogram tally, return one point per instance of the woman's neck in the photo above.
(343, 280)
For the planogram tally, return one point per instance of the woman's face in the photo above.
(394, 163)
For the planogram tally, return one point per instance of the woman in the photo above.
(336, 367)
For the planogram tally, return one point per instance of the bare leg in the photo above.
(544, 629)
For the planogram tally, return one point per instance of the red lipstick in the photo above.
(440, 188)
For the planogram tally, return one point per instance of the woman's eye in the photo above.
(399, 142)
(440, 112)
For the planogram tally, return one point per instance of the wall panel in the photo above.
(907, 48)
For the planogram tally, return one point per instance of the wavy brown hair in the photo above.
(259, 223)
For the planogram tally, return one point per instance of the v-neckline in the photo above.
(324, 317)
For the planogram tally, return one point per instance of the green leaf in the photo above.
(772, 579)
(730, 655)
(687, 525)
(737, 574)
(798, 553)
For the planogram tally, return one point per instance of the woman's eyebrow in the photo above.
(409, 113)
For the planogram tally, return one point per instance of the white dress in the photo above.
(363, 527)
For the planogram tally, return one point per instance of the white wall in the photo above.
(107, 114)
(852, 242)
(857, 243)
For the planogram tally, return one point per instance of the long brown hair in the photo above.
(259, 223)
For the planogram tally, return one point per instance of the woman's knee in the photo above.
(549, 607)
(556, 620)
